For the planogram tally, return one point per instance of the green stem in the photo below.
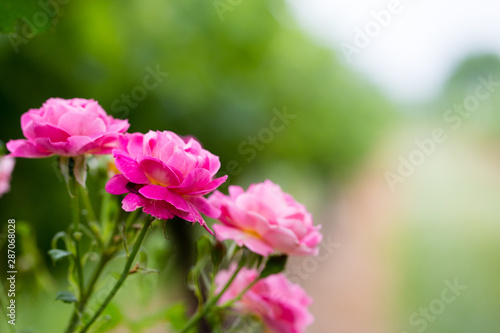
(238, 297)
(88, 206)
(105, 257)
(91, 217)
(211, 302)
(122, 229)
(77, 234)
(107, 226)
(90, 288)
(123, 277)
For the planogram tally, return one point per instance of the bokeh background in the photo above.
(227, 69)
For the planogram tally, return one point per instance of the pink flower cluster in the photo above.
(166, 175)
(266, 220)
(281, 304)
(67, 128)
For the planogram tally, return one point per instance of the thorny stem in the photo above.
(123, 277)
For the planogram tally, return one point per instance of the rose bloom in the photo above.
(279, 303)
(6, 167)
(67, 127)
(166, 175)
(266, 220)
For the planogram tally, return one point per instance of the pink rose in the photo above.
(281, 304)
(266, 220)
(6, 167)
(165, 175)
(68, 128)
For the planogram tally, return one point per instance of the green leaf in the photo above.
(203, 247)
(253, 259)
(218, 253)
(57, 254)
(66, 297)
(203, 251)
(274, 265)
(64, 237)
(95, 227)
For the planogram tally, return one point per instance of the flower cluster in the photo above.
(167, 176)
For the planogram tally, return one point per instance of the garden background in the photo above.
(275, 101)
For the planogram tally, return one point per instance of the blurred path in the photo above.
(350, 287)
(355, 289)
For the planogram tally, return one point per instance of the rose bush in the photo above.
(167, 176)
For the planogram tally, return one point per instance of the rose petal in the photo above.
(235, 191)
(162, 193)
(282, 239)
(78, 145)
(159, 209)
(129, 168)
(158, 172)
(204, 206)
(58, 148)
(117, 125)
(79, 122)
(133, 201)
(25, 148)
(55, 134)
(210, 186)
(195, 181)
(132, 143)
(117, 185)
(223, 232)
(182, 161)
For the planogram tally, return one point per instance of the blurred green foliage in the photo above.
(225, 78)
